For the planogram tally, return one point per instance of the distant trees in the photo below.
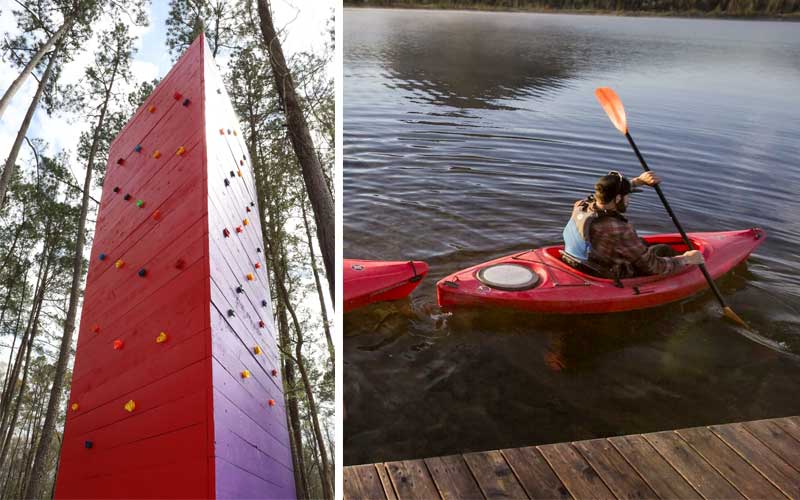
(717, 7)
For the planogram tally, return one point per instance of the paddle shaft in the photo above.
(675, 221)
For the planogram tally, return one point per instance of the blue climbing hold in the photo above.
(116, 189)
(142, 272)
(239, 289)
(227, 183)
(138, 148)
(264, 303)
(230, 313)
(102, 256)
(186, 102)
(88, 444)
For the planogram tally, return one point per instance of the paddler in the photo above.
(599, 240)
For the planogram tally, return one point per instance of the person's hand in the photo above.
(693, 257)
(647, 178)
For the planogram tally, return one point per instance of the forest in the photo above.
(51, 184)
(734, 8)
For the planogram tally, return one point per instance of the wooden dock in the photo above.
(759, 459)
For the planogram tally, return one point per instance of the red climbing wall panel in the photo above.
(176, 388)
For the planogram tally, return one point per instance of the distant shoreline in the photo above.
(588, 12)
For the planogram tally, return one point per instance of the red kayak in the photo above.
(368, 281)
(538, 280)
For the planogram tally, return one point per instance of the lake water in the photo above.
(469, 135)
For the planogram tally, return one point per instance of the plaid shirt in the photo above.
(618, 250)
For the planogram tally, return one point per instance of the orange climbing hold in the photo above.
(222, 131)
(239, 172)
(157, 154)
(151, 109)
(162, 337)
(245, 373)
(119, 264)
(156, 215)
(118, 344)
(180, 151)
(257, 349)
(246, 222)
(130, 405)
(96, 328)
(271, 402)
(74, 406)
(250, 277)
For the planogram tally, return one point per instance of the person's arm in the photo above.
(646, 179)
(642, 257)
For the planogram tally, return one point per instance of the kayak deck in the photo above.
(565, 290)
(369, 281)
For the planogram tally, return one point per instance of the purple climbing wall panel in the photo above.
(253, 455)
(176, 389)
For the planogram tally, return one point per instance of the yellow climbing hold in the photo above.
(157, 154)
(162, 337)
(245, 222)
(74, 406)
(250, 277)
(180, 151)
(118, 264)
(234, 132)
(239, 171)
(130, 405)
(246, 374)
(257, 349)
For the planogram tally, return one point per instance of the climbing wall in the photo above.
(176, 390)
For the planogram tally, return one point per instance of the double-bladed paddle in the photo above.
(612, 105)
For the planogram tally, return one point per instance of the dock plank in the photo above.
(494, 476)
(452, 477)
(411, 479)
(534, 474)
(616, 473)
(790, 425)
(578, 476)
(738, 472)
(657, 472)
(362, 481)
(776, 439)
(779, 473)
(386, 482)
(692, 466)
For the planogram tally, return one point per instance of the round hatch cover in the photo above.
(512, 277)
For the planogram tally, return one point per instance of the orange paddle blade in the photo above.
(613, 107)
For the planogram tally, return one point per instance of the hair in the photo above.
(609, 186)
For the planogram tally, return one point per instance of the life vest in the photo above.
(576, 232)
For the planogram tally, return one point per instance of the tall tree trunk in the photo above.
(36, 485)
(17, 83)
(313, 176)
(325, 325)
(23, 129)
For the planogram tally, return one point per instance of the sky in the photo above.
(305, 22)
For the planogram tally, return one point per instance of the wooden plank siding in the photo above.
(759, 459)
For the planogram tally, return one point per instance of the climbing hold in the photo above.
(180, 264)
(271, 402)
(139, 203)
(227, 183)
(156, 154)
(219, 91)
(96, 328)
(118, 264)
(239, 289)
(162, 337)
(142, 272)
(180, 151)
(274, 372)
(239, 229)
(102, 256)
(226, 233)
(231, 313)
(239, 172)
(116, 189)
(87, 444)
(264, 303)
(257, 265)
(234, 132)
(221, 131)
(156, 215)
(261, 323)
(118, 345)
(245, 373)
(245, 222)
(241, 162)
(250, 277)
(130, 405)
(258, 249)
(233, 174)
(257, 349)
(247, 209)
(177, 96)
(74, 406)
(229, 131)
(138, 148)
(186, 102)
(252, 203)
(127, 196)
(121, 161)
(151, 109)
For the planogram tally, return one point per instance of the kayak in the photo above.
(538, 280)
(368, 281)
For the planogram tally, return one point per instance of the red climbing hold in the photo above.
(258, 265)
(222, 131)
(156, 215)
(247, 208)
(180, 264)
(274, 372)
(261, 323)
(239, 229)
(272, 402)
(226, 233)
(177, 96)
(95, 328)
(121, 161)
(118, 344)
